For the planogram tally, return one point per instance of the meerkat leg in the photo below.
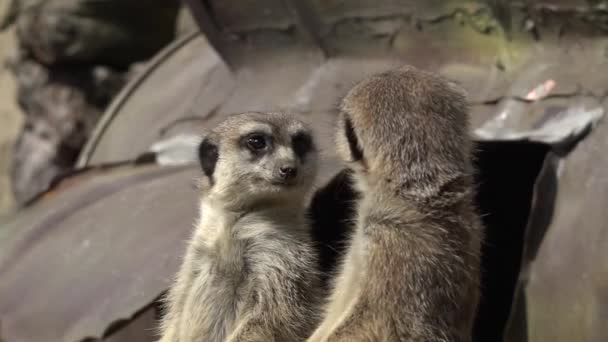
(279, 315)
(359, 326)
(373, 319)
(354, 324)
(346, 290)
(364, 325)
(250, 330)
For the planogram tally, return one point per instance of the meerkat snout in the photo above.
(285, 169)
(287, 172)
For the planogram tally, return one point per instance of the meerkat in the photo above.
(250, 270)
(411, 270)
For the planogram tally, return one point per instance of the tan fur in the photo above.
(249, 273)
(411, 272)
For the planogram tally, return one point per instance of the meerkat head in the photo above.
(407, 130)
(256, 158)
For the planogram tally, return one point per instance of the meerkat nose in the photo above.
(287, 172)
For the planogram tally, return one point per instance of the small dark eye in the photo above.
(256, 142)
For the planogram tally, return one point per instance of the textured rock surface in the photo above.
(62, 105)
(185, 23)
(74, 56)
(10, 120)
(109, 32)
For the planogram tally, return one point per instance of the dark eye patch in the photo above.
(302, 144)
(208, 155)
(353, 143)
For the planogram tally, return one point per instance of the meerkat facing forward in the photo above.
(411, 272)
(250, 271)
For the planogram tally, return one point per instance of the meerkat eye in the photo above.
(256, 142)
(302, 143)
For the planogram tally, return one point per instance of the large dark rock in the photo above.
(108, 32)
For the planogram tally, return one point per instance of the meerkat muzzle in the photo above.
(288, 172)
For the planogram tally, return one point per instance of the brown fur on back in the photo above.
(411, 272)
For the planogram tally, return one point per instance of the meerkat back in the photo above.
(411, 271)
(250, 270)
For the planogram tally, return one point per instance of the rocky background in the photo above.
(11, 119)
(62, 61)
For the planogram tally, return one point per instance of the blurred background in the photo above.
(62, 63)
(101, 102)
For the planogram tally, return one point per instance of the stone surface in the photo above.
(10, 120)
(73, 58)
(62, 106)
(8, 12)
(108, 32)
(185, 23)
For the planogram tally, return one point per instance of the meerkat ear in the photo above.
(353, 143)
(208, 154)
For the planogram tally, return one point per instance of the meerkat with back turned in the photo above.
(411, 272)
(250, 270)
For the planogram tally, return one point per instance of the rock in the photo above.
(8, 12)
(185, 22)
(11, 118)
(62, 106)
(75, 55)
(107, 32)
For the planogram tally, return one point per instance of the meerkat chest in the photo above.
(234, 248)
(241, 249)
